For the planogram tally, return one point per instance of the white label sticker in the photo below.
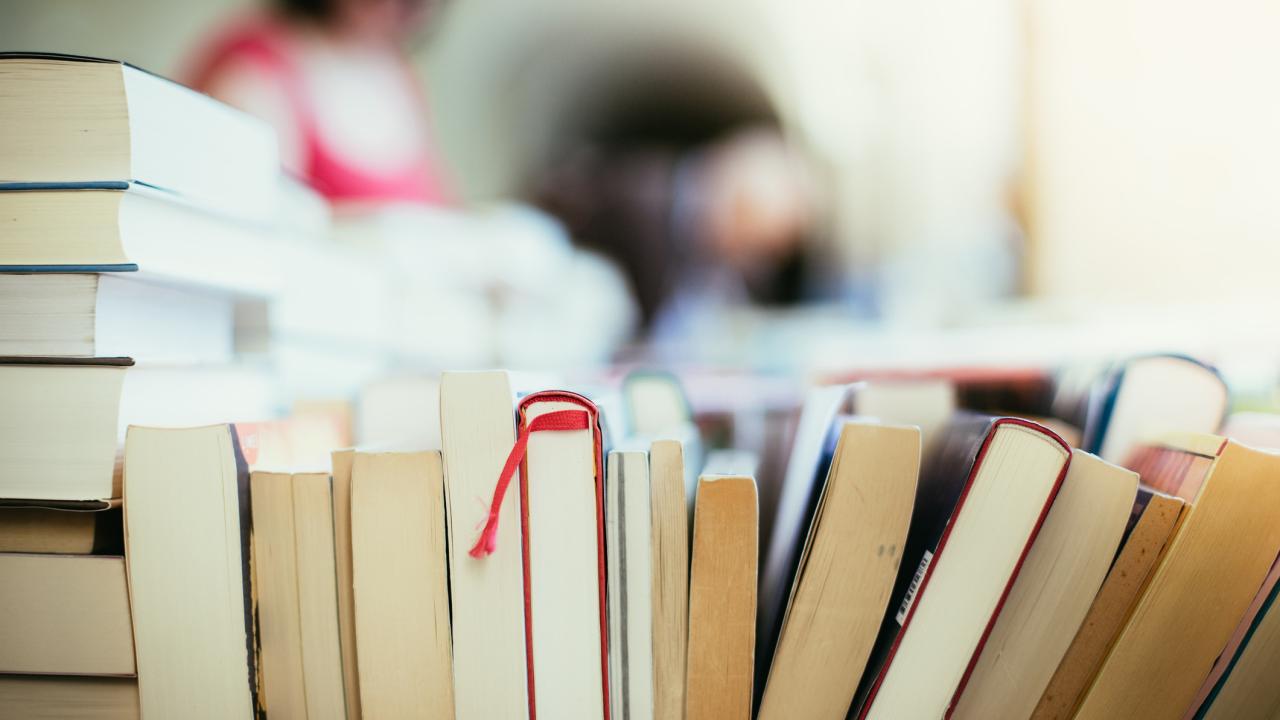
(914, 587)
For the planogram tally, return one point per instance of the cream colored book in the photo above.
(722, 599)
(1054, 591)
(564, 489)
(1249, 690)
(58, 530)
(401, 596)
(843, 573)
(1205, 582)
(53, 697)
(670, 581)
(77, 120)
(984, 489)
(58, 436)
(275, 570)
(477, 423)
(1155, 520)
(342, 461)
(113, 314)
(64, 614)
(627, 537)
(318, 596)
(186, 544)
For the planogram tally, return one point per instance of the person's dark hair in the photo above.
(320, 10)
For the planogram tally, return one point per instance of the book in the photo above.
(655, 402)
(1177, 464)
(65, 615)
(668, 512)
(926, 402)
(806, 460)
(629, 531)
(400, 413)
(655, 406)
(1230, 656)
(923, 402)
(114, 314)
(51, 697)
(121, 231)
(80, 121)
(1228, 542)
(563, 525)
(315, 548)
(722, 598)
(477, 424)
(1247, 690)
(842, 574)
(187, 523)
(1145, 397)
(1053, 592)
(985, 488)
(1261, 430)
(28, 529)
(275, 586)
(1154, 521)
(341, 464)
(58, 431)
(401, 588)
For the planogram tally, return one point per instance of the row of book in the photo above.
(988, 570)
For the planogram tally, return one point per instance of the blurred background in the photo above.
(802, 187)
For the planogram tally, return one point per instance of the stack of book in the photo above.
(108, 172)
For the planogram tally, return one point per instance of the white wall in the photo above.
(1156, 164)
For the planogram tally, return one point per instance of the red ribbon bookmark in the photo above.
(558, 420)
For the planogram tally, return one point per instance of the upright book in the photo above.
(1227, 544)
(401, 591)
(316, 550)
(984, 492)
(341, 465)
(1145, 397)
(187, 545)
(841, 575)
(629, 530)
(1230, 656)
(562, 521)
(275, 583)
(669, 515)
(1053, 592)
(477, 423)
(1247, 689)
(1153, 523)
(80, 121)
(722, 598)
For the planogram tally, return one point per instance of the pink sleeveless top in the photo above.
(265, 44)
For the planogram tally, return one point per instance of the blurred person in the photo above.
(333, 78)
(698, 230)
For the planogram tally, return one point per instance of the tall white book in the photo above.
(628, 532)
(489, 666)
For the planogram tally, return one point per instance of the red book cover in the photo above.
(945, 481)
(525, 426)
